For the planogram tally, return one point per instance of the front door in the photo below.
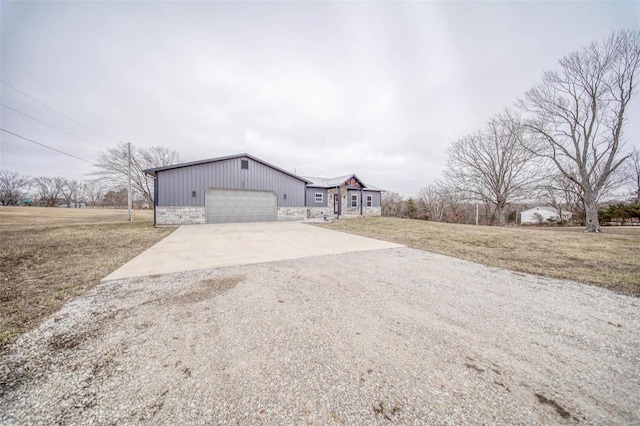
(336, 203)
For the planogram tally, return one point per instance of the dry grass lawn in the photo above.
(610, 259)
(49, 255)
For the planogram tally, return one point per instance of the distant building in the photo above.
(543, 214)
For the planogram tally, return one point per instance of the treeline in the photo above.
(18, 190)
(438, 205)
(106, 188)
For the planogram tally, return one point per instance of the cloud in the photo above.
(379, 89)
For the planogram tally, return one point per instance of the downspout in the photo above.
(155, 198)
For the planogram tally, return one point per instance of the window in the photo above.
(319, 197)
(244, 164)
(369, 200)
(354, 200)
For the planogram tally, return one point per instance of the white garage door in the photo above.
(229, 205)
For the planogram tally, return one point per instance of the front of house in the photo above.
(243, 188)
(344, 196)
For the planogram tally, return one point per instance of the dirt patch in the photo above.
(559, 409)
(608, 259)
(207, 289)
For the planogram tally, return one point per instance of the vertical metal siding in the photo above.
(311, 197)
(176, 185)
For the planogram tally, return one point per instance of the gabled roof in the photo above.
(153, 172)
(319, 182)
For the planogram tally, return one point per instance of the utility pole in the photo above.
(130, 196)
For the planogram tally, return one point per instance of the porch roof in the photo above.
(320, 182)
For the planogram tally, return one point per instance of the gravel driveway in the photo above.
(391, 336)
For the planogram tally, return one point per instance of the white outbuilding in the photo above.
(541, 215)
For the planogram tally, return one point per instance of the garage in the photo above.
(236, 188)
(237, 205)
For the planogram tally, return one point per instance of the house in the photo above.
(344, 196)
(542, 214)
(243, 188)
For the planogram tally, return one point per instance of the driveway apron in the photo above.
(193, 247)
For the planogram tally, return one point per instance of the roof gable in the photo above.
(155, 170)
(341, 181)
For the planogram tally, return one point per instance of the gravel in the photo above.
(390, 336)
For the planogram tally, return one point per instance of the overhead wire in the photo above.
(58, 112)
(52, 126)
(47, 146)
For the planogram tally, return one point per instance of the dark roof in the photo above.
(152, 172)
(319, 182)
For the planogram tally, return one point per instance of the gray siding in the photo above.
(375, 195)
(175, 186)
(311, 197)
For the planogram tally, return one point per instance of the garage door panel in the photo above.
(228, 206)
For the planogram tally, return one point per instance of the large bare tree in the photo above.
(49, 190)
(578, 112)
(13, 188)
(112, 167)
(492, 166)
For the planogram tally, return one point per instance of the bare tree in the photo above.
(392, 204)
(13, 188)
(93, 192)
(434, 202)
(49, 190)
(634, 173)
(578, 112)
(69, 191)
(492, 166)
(112, 167)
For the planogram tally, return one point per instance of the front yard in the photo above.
(47, 258)
(610, 259)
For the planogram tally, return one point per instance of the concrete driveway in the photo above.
(231, 244)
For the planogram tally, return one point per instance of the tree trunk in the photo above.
(501, 213)
(592, 224)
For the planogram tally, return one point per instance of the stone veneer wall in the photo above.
(180, 215)
(292, 213)
(175, 215)
(315, 212)
(372, 211)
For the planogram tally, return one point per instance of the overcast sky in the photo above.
(319, 88)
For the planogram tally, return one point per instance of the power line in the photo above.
(58, 112)
(46, 146)
(54, 127)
